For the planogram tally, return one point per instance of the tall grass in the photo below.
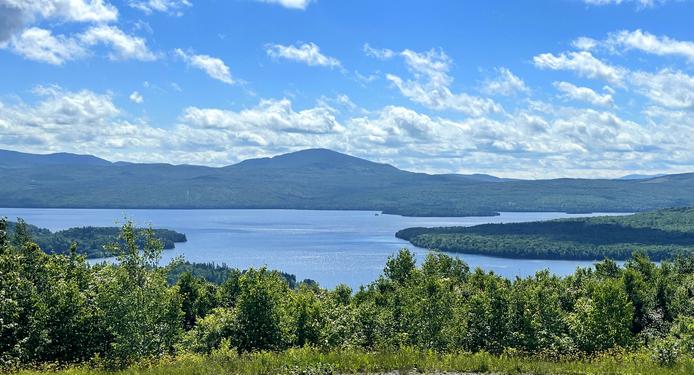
(311, 361)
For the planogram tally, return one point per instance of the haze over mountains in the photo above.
(316, 179)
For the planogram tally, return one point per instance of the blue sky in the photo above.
(562, 88)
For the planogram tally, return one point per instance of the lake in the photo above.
(330, 247)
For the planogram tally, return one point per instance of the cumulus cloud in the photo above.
(649, 43)
(583, 63)
(15, 14)
(558, 140)
(213, 66)
(669, 88)
(123, 46)
(430, 85)
(78, 121)
(506, 83)
(275, 115)
(271, 127)
(12, 20)
(307, 53)
(291, 4)
(41, 45)
(586, 94)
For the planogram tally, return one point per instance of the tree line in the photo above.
(57, 308)
(90, 241)
(662, 234)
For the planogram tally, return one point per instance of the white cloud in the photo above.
(308, 53)
(166, 6)
(669, 87)
(214, 67)
(15, 14)
(505, 84)
(431, 85)
(672, 89)
(583, 63)
(124, 46)
(560, 141)
(291, 4)
(557, 140)
(81, 106)
(586, 94)
(379, 53)
(74, 121)
(40, 45)
(585, 43)
(67, 10)
(136, 97)
(649, 43)
(275, 115)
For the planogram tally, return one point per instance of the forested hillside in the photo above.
(661, 234)
(90, 241)
(317, 179)
(58, 310)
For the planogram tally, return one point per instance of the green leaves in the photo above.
(261, 311)
(602, 320)
(400, 267)
(58, 308)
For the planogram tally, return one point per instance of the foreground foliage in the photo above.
(662, 234)
(57, 309)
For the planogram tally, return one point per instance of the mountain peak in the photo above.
(312, 157)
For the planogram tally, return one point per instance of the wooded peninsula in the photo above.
(93, 242)
(662, 234)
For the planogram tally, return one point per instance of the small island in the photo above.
(90, 240)
(662, 234)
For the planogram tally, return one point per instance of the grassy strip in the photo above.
(312, 361)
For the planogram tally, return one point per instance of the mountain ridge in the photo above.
(9, 158)
(295, 159)
(317, 179)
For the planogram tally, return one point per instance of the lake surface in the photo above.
(330, 247)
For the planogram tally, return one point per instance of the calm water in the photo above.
(330, 247)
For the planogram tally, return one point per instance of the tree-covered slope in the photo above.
(320, 179)
(662, 234)
(14, 159)
(90, 240)
(60, 312)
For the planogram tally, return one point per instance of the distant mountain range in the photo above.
(316, 179)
